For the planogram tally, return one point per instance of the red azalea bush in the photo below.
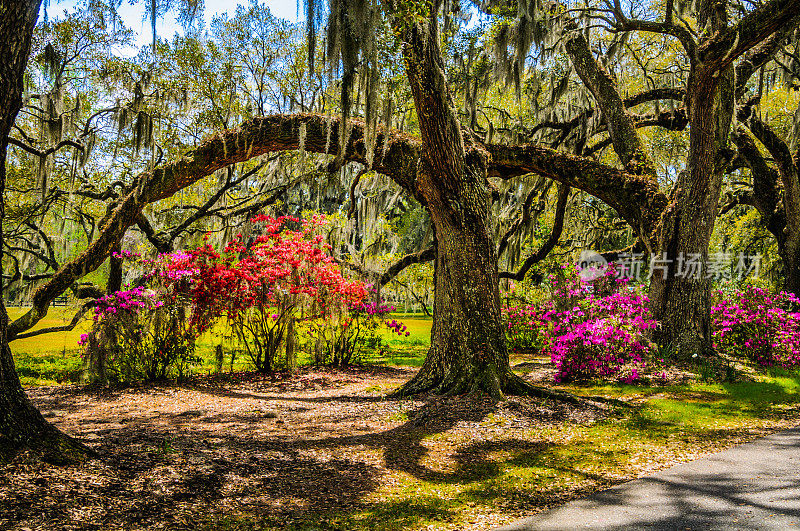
(261, 288)
(281, 272)
(758, 326)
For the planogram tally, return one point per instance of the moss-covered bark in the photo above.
(681, 300)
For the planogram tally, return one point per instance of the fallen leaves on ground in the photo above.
(318, 446)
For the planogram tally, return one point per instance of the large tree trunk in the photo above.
(681, 300)
(21, 424)
(468, 346)
(468, 350)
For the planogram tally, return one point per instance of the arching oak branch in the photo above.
(313, 133)
(636, 198)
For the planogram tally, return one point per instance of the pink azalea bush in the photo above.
(590, 329)
(752, 324)
(142, 332)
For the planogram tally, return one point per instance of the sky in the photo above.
(133, 15)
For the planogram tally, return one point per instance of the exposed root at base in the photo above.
(496, 387)
(52, 446)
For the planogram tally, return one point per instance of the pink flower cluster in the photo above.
(130, 300)
(590, 329)
(758, 326)
(525, 326)
(397, 328)
(125, 254)
(372, 308)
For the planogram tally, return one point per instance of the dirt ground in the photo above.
(277, 448)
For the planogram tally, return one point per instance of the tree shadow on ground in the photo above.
(175, 469)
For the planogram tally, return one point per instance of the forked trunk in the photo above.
(468, 345)
(468, 350)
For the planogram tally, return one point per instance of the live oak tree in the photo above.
(678, 223)
(448, 166)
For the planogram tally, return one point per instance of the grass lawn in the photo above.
(53, 358)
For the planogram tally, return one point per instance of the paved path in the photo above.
(753, 486)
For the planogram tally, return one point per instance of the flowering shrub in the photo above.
(348, 338)
(261, 289)
(590, 329)
(140, 333)
(758, 326)
(525, 326)
(280, 272)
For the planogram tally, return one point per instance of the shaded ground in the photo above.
(752, 486)
(173, 456)
(324, 450)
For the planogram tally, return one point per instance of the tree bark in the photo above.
(21, 424)
(791, 281)
(468, 345)
(777, 206)
(681, 300)
(468, 351)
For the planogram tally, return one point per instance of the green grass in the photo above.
(420, 331)
(53, 358)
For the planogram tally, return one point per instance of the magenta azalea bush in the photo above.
(590, 329)
(143, 333)
(525, 327)
(752, 324)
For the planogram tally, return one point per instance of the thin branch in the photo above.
(550, 243)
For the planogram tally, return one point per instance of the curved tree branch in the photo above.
(758, 26)
(424, 255)
(636, 198)
(256, 137)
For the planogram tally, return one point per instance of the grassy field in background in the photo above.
(55, 358)
(49, 358)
